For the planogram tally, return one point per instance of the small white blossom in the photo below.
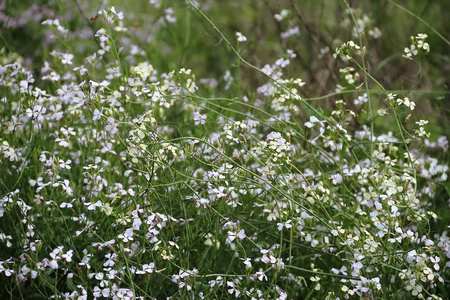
(240, 37)
(199, 118)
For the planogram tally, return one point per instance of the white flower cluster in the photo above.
(346, 50)
(417, 44)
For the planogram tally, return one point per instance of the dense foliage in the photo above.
(224, 150)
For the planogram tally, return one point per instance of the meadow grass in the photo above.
(179, 150)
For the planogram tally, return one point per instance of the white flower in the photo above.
(240, 37)
(361, 99)
(286, 225)
(55, 23)
(199, 118)
(422, 122)
(247, 262)
(53, 264)
(423, 45)
(382, 112)
(118, 14)
(290, 32)
(97, 115)
(65, 164)
(232, 235)
(66, 58)
(37, 112)
(421, 36)
(409, 103)
(146, 268)
(283, 14)
(127, 235)
(170, 15)
(414, 287)
(260, 276)
(93, 206)
(375, 32)
(241, 234)
(311, 122)
(409, 52)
